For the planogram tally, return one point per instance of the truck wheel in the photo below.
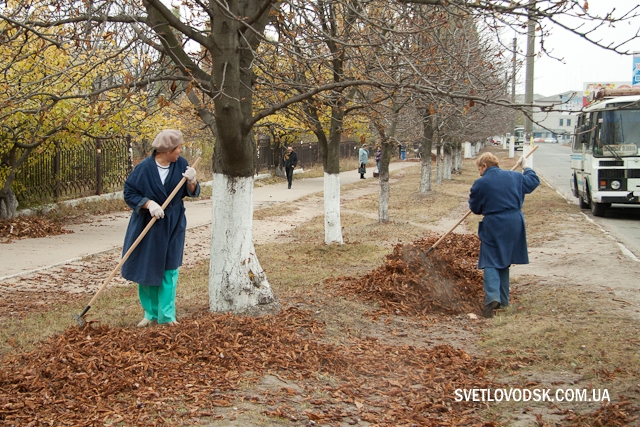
(597, 209)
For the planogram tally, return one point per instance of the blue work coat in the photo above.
(499, 195)
(161, 249)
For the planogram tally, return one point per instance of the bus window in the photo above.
(618, 132)
(597, 137)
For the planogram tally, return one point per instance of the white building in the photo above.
(560, 122)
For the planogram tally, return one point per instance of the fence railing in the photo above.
(269, 158)
(101, 165)
(95, 166)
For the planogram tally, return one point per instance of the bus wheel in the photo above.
(597, 209)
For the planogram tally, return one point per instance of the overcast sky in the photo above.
(584, 62)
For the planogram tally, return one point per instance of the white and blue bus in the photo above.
(605, 152)
(518, 137)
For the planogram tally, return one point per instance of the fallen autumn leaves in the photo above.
(196, 371)
(410, 283)
(171, 375)
(22, 227)
(99, 374)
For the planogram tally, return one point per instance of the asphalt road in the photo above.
(622, 222)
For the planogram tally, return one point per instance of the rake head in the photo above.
(79, 318)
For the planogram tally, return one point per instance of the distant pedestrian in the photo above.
(290, 160)
(498, 195)
(363, 158)
(378, 155)
(155, 261)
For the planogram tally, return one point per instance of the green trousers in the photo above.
(159, 302)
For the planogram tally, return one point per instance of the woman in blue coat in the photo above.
(498, 195)
(155, 261)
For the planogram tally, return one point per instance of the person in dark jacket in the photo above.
(498, 195)
(155, 261)
(290, 160)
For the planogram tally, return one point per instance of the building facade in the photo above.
(557, 116)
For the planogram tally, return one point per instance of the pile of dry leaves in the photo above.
(447, 280)
(23, 227)
(169, 376)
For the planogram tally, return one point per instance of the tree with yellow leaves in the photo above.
(54, 92)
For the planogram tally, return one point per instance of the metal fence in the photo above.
(95, 166)
(269, 158)
(101, 165)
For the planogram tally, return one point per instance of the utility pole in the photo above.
(528, 91)
(513, 83)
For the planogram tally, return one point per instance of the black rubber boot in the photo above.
(488, 309)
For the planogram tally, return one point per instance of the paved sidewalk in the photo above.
(107, 232)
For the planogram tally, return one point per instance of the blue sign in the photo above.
(635, 80)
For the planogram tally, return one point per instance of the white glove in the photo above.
(190, 174)
(523, 162)
(155, 209)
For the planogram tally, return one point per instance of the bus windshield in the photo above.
(619, 133)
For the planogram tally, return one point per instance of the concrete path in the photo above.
(107, 232)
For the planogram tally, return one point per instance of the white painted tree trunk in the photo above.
(457, 162)
(425, 174)
(383, 202)
(236, 279)
(439, 165)
(332, 225)
(448, 165)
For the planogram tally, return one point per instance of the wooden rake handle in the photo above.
(469, 212)
(137, 242)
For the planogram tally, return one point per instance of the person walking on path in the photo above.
(498, 195)
(363, 158)
(154, 263)
(290, 160)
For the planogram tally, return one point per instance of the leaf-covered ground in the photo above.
(203, 369)
(24, 227)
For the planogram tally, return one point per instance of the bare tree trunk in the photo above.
(439, 165)
(457, 157)
(8, 204)
(8, 201)
(425, 174)
(448, 164)
(427, 144)
(236, 279)
(332, 223)
(385, 188)
(385, 157)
